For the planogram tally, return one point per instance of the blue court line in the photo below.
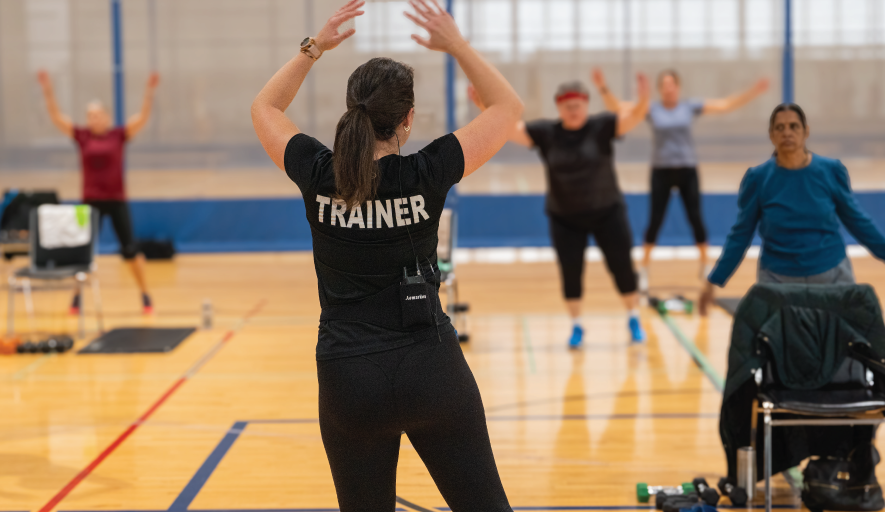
(187, 496)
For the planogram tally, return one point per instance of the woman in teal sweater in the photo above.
(797, 199)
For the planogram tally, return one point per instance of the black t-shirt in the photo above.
(359, 254)
(579, 163)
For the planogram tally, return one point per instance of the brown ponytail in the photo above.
(380, 94)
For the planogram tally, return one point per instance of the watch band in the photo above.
(309, 48)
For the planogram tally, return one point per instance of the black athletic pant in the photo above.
(121, 220)
(664, 180)
(425, 390)
(613, 234)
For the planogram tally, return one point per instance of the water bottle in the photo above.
(207, 314)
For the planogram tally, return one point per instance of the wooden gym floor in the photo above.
(227, 421)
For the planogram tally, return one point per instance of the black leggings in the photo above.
(425, 390)
(663, 180)
(121, 220)
(613, 234)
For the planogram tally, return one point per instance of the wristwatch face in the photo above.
(305, 42)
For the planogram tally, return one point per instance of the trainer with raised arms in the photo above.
(388, 358)
(583, 196)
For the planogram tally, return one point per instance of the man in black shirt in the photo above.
(583, 196)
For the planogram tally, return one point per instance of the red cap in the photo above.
(572, 95)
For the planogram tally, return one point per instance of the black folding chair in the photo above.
(849, 399)
(61, 268)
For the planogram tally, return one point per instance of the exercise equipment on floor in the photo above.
(138, 340)
(59, 344)
(675, 304)
(737, 495)
(644, 492)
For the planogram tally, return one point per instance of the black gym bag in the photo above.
(835, 483)
(157, 249)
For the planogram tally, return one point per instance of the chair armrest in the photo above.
(865, 354)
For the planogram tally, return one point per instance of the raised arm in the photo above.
(60, 120)
(138, 121)
(518, 134)
(274, 129)
(612, 104)
(856, 221)
(630, 116)
(488, 133)
(736, 101)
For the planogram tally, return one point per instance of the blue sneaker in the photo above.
(577, 337)
(637, 334)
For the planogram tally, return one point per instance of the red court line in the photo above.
(63, 493)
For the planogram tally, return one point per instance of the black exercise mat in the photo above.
(729, 304)
(137, 341)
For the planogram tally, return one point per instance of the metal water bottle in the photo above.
(746, 470)
(207, 314)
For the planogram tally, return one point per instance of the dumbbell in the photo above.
(708, 494)
(737, 495)
(662, 499)
(644, 492)
(677, 503)
(65, 343)
(27, 347)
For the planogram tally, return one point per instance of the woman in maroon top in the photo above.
(101, 158)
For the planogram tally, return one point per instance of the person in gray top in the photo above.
(674, 160)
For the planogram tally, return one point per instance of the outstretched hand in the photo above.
(153, 80)
(43, 78)
(706, 300)
(444, 33)
(643, 87)
(329, 37)
(761, 86)
(598, 78)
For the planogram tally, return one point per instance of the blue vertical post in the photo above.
(788, 78)
(117, 43)
(451, 123)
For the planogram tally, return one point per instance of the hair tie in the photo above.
(361, 106)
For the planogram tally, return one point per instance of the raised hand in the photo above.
(643, 88)
(43, 78)
(329, 37)
(153, 80)
(761, 86)
(598, 78)
(444, 33)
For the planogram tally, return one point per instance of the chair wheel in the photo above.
(462, 307)
(463, 338)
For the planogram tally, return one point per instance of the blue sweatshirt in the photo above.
(798, 213)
